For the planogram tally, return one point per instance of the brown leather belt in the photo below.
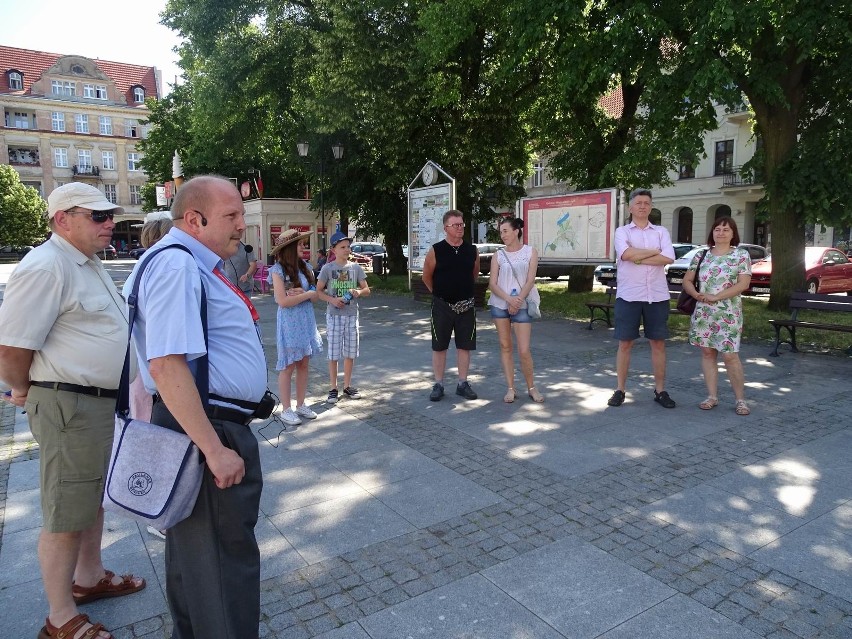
(76, 388)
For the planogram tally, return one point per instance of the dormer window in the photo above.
(138, 94)
(16, 80)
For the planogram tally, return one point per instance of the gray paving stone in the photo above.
(471, 608)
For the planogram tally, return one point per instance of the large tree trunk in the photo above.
(581, 279)
(778, 128)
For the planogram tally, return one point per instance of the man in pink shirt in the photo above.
(642, 250)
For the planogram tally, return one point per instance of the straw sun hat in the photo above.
(288, 237)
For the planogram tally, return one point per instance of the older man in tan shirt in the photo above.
(63, 335)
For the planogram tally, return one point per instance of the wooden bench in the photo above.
(423, 294)
(810, 302)
(602, 311)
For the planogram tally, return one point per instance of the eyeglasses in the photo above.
(457, 225)
(98, 217)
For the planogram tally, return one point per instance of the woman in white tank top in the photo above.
(512, 283)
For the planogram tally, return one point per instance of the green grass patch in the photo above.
(557, 302)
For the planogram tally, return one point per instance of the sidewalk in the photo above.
(393, 516)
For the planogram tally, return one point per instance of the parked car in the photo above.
(677, 269)
(607, 274)
(368, 248)
(108, 253)
(137, 252)
(14, 252)
(486, 251)
(827, 270)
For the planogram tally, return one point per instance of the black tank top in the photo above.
(453, 277)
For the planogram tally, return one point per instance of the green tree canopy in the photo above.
(22, 210)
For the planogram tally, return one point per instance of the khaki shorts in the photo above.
(74, 433)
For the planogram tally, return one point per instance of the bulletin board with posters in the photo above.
(426, 208)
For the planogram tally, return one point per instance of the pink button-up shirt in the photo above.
(642, 282)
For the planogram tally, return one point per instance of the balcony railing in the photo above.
(84, 169)
(736, 177)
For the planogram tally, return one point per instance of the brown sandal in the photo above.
(509, 397)
(742, 408)
(70, 628)
(709, 403)
(105, 588)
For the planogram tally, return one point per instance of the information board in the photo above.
(426, 208)
(577, 228)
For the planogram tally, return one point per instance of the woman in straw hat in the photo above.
(297, 336)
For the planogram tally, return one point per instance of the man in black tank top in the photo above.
(449, 271)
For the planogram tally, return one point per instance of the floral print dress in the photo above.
(719, 325)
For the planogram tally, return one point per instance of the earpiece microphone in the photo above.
(203, 220)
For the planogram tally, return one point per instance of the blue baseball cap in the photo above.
(339, 237)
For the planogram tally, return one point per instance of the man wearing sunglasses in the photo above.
(450, 271)
(63, 333)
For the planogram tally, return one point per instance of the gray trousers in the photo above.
(212, 558)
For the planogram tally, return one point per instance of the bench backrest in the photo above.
(818, 302)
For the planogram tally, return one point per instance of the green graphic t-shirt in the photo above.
(340, 279)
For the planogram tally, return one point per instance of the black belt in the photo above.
(228, 415)
(76, 388)
(221, 413)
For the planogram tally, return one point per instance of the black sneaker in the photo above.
(437, 393)
(332, 396)
(664, 400)
(351, 393)
(617, 398)
(465, 391)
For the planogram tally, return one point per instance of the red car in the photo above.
(827, 270)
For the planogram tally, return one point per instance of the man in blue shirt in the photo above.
(213, 555)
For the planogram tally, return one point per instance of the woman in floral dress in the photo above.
(717, 323)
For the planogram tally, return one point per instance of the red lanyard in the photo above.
(254, 314)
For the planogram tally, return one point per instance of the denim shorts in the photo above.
(653, 316)
(521, 317)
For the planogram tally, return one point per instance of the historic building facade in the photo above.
(70, 118)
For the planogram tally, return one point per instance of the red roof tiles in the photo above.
(32, 64)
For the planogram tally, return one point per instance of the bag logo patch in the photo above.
(140, 484)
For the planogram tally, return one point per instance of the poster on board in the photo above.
(426, 208)
(576, 228)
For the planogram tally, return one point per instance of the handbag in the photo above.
(533, 309)
(685, 302)
(154, 473)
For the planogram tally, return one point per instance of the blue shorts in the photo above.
(521, 317)
(654, 317)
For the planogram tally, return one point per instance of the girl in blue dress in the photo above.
(297, 335)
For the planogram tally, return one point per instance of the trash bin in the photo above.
(379, 264)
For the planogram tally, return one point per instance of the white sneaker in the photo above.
(304, 411)
(289, 416)
(161, 534)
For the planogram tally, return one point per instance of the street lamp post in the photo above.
(337, 151)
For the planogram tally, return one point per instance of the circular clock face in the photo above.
(428, 174)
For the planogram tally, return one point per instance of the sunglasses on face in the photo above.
(457, 225)
(98, 217)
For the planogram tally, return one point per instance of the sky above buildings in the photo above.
(104, 29)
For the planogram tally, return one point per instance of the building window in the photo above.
(88, 90)
(84, 160)
(59, 87)
(108, 158)
(21, 120)
(135, 194)
(132, 161)
(109, 191)
(101, 92)
(132, 129)
(16, 81)
(138, 94)
(724, 160)
(81, 123)
(97, 91)
(60, 158)
(57, 121)
(34, 185)
(105, 124)
(538, 174)
(60, 183)
(686, 171)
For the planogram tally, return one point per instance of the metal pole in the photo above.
(322, 199)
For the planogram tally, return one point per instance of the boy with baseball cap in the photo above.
(341, 283)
